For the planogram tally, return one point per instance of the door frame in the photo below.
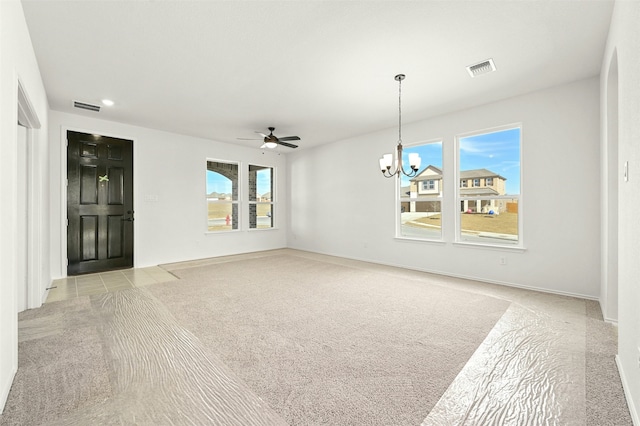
(63, 188)
(611, 180)
(33, 240)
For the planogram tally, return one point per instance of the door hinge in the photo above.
(67, 222)
(67, 262)
(67, 181)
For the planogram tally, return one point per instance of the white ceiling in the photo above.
(322, 70)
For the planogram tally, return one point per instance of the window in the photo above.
(490, 214)
(260, 197)
(463, 184)
(420, 197)
(222, 196)
(428, 185)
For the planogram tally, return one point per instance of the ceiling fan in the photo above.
(271, 140)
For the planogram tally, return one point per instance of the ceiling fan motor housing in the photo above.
(271, 140)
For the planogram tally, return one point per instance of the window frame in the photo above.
(459, 198)
(237, 201)
(429, 185)
(399, 199)
(273, 201)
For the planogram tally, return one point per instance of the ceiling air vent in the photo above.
(480, 68)
(84, 105)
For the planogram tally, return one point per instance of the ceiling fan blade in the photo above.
(290, 138)
(262, 134)
(290, 145)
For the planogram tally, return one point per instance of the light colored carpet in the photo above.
(122, 360)
(331, 344)
(312, 339)
(62, 364)
(606, 404)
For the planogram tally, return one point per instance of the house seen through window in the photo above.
(489, 208)
(421, 196)
(488, 194)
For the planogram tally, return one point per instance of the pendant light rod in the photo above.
(399, 79)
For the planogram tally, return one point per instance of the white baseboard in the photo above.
(635, 417)
(461, 276)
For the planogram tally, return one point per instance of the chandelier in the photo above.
(387, 159)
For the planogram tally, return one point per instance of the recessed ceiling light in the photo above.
(107, 102)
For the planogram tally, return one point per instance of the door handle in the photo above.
(129, 219)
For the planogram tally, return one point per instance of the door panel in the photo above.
(88, 189)
(115, 236)
(99, 203)
(116, 186)
(89, 240)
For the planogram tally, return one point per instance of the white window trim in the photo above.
(274, 196)
(238, 201)
(398, 199)
(458, 198)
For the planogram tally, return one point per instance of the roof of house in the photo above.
(464, 174)
(434, 176)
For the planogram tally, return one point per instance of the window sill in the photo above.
(485, 246)
(262, 229)
(232, 231)
(418, 240)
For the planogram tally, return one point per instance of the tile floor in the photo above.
(86, 285)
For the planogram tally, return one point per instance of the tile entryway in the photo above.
(87, 285)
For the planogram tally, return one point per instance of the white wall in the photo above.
(18, 63)
(341, 205)
(624, 40)
(170, 168)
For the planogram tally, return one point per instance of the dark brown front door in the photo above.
(99, 203)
